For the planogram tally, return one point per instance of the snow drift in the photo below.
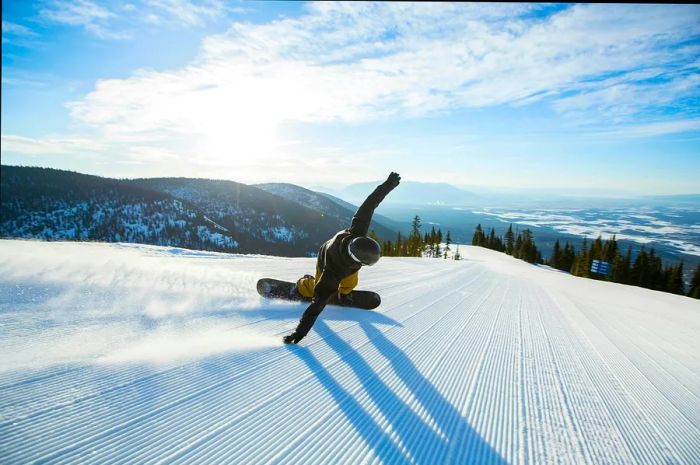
(140, 354)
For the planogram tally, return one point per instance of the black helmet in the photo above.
(364, 250)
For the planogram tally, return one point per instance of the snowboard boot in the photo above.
(308, 282)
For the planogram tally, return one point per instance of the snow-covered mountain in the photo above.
(61, 205)
(193, 213)
(266, 223)
(329, 205)
(118, 353)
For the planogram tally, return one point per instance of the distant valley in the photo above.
(673, 231)
(669, 223)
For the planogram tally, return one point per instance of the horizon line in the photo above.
(621, 193)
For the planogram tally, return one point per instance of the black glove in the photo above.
(292, 338)
(393, 180)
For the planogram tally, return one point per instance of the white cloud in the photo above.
(49, 145)
(78, 12)
(16, 29)
(16, 80)
(152, 18)
(115, 20)
(189, 12)
(18, 35)
(354, 62)
(623, 98)
(653, 129)
(91, 16)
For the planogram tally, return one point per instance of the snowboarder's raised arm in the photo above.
(363, 217)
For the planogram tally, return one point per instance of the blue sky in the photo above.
(495, 95)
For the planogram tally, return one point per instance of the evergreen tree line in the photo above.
(646, 270)
(416, 244)
(519, 244)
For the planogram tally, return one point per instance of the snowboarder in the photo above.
(339, 260)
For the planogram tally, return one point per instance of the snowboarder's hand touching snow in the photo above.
(291, 338)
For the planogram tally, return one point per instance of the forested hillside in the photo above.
(49, 204)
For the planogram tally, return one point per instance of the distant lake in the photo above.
(674, 232)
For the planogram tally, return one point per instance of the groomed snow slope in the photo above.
(137, 354)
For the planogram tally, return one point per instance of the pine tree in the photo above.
(596, 250)
(640, 269)
(457, 255)
(555, 260)
(510, 240)
(657, 280)
(431, 242)
(622, 272)
(491, 241)
(626, 276)
(387, 250)
(582, 263)
(595, 253)
(529, 253)
(478, 237)
(675, 280)
(414, 244)
(569, 255)
(517, 247)
(525, 248)
(695, 284)
(611, 250)
(448, 242)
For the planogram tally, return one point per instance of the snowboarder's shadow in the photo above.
(439, 434)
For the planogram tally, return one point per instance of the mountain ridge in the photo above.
(415, 193)
(197, 213)
(329, 205)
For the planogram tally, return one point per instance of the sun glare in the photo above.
(233, 125)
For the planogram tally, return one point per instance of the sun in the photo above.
(233, 126)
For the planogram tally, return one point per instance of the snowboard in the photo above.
(276, 289)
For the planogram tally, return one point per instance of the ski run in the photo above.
(130, 354)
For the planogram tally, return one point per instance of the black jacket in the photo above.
(335, 262)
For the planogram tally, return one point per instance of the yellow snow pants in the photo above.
(307, 283)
